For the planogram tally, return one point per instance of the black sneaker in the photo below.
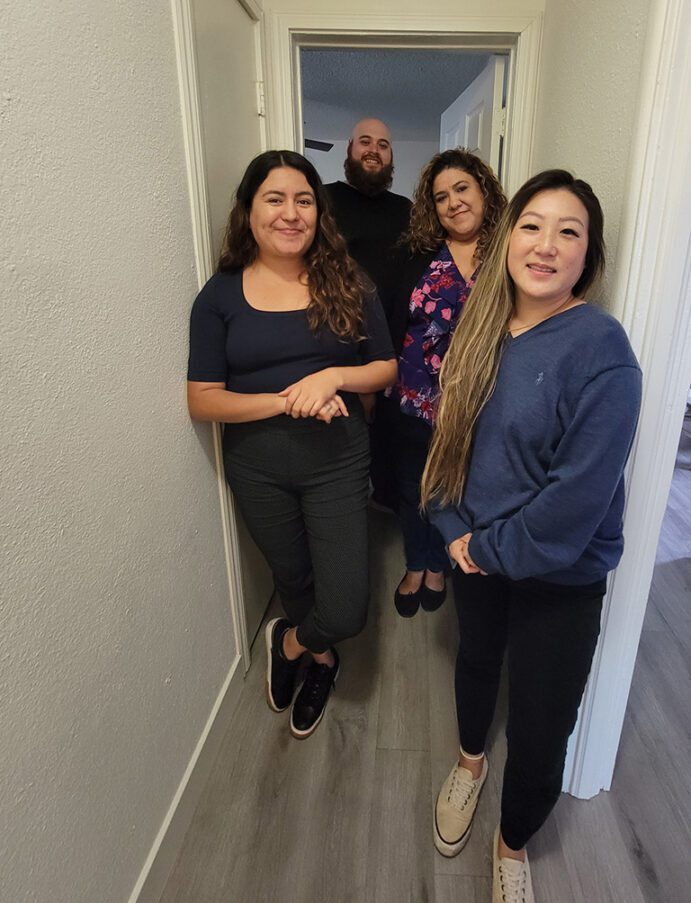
(280, 672)
(309, 705)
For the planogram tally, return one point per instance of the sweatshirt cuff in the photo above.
(449, 523)
(477, 553)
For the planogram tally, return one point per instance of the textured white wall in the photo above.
(115, 633)
(591, 61)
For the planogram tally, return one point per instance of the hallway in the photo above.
(346, 817)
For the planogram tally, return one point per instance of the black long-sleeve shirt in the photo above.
(371, 227)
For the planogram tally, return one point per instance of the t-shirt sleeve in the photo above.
(207, 361)
(376, 346)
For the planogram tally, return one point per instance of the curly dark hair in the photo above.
(337, 286)
(425, 232)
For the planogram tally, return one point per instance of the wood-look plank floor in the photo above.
(346, 816)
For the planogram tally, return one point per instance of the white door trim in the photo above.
(652, 297)
(188, 80)
(520, 35)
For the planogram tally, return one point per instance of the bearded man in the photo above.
(372, 219)
(369, 216)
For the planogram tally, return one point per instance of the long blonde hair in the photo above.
(469, 372)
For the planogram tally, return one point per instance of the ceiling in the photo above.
(392, 84)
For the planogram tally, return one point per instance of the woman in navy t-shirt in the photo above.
(282, 339)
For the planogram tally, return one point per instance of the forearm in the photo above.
(219, 405)
(367, 377)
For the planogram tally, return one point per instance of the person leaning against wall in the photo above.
(539, 404)
(282, 338)
(458, 202)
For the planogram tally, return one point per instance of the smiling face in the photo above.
(283, 216)
(370, 145)
(547, 247)
(460, 204)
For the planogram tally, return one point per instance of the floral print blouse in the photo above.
(435, 306)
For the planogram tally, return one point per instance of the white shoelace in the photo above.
(512, 884)
(462, 788)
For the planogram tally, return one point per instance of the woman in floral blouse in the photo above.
(458, 202)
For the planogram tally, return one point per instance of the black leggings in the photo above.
(550, 632)
(301, 487)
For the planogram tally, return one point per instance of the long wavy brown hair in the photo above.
(469, 372)
(336, 285)
(425, 232)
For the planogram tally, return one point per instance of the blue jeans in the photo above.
(424, 546)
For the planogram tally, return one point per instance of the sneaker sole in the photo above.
(303, 735)
(267, 638)
(449, 850)
(453, 849)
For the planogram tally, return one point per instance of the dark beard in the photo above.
(369, 183)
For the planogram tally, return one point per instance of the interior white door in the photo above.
(475, 120)
(228, 71)
(226, 43)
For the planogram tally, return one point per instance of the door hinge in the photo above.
(261, 103)
(502, 123)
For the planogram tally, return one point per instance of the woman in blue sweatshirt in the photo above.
(540, 399)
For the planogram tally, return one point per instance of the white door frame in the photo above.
(652, 298)
(190, 104)
(520, 35)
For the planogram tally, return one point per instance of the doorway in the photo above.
(430, 99)
(517, 36)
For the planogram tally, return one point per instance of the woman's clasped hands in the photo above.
(316, 395)
(458, 550)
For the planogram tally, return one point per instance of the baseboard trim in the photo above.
(166, 847)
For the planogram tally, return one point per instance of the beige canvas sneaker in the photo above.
(511, 879)
(455, 807)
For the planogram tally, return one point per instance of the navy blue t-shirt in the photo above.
(544, 495)
(254, 351)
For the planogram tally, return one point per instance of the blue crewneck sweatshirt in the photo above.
(544, 495)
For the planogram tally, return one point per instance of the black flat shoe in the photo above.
(407, 604)
(431, 599)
